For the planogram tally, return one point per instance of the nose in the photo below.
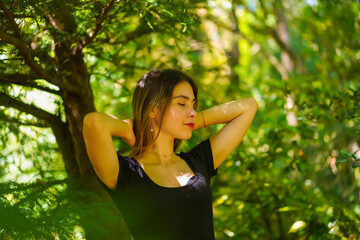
(192, 113)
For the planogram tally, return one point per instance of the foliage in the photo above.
(351, 157)
(295, 176)
(35, 211)
(48, 210)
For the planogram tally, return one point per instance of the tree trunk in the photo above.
(233, 56)
(287, 60)
(65, 143)
(77, 105)
(70, 60)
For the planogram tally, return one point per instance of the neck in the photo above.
(160, 152)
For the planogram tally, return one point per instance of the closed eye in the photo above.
(181, 104)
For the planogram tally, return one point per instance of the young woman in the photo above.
(161, 194)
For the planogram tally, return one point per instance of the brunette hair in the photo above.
(154, 89)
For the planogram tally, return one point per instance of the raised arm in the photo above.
(238, 116)
(98, 129)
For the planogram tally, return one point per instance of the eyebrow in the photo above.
(185, 97)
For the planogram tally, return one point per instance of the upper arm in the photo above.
(101, 149)
(229, 137)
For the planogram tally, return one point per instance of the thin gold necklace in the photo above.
(161, 155)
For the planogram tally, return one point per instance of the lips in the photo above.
(191, 125)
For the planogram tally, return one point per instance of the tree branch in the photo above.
(10, 17)
(11, 59)
(263, 8)
(25, 80)
(282, 44)
(99, 20)
(49, 118)
(128, 37)
(8, 119)
(272, 59)
(272, 32)
(41, 72)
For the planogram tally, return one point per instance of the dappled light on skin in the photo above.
(183, 178)
(230, 107)
(175, 178)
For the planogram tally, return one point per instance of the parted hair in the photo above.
(154, 89)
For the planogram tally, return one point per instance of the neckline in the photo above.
(189, 183)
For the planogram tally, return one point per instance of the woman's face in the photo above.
(179, 118)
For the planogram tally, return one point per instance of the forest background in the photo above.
(295, 175)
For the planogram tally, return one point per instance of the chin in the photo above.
(185, 137)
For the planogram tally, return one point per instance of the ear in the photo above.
(154, 112)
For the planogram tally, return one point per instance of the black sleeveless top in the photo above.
(166, 213)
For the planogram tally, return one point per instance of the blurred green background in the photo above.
(294, 176)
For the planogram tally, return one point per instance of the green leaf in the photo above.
(341, 160)
(345, 153)
(355, 164)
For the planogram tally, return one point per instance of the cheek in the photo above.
(174, 116)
